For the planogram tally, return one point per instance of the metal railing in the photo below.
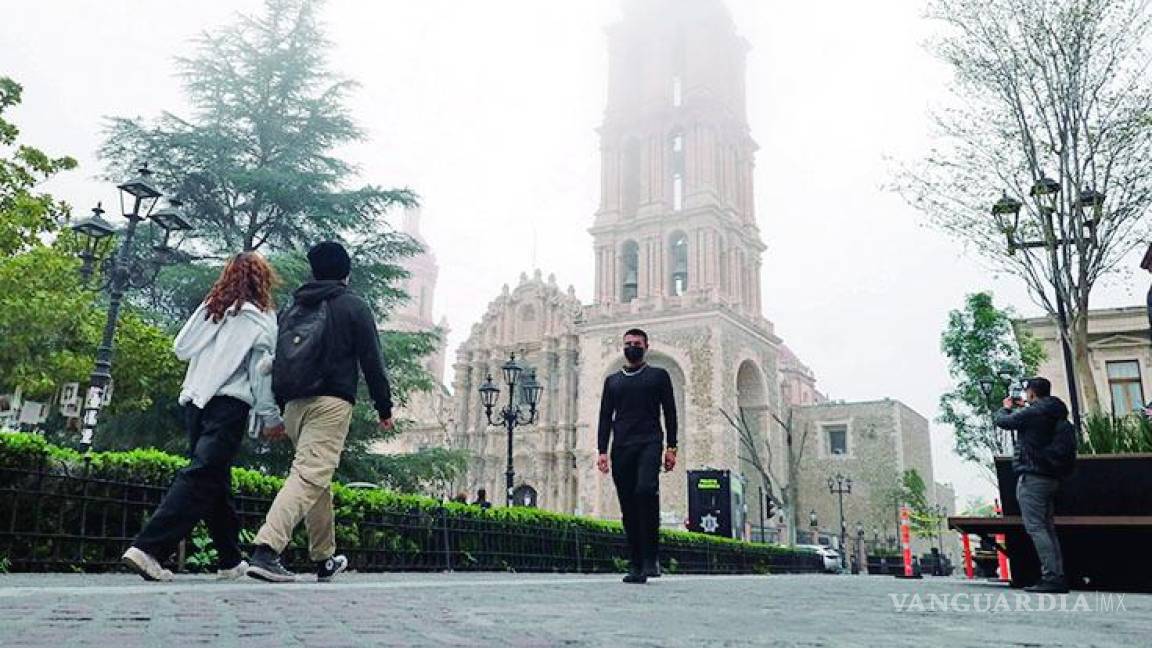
(55, 520)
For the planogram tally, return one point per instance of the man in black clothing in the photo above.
(1041, 460)
(317, 418)
(630, 410)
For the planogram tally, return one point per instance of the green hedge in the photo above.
(473, 528)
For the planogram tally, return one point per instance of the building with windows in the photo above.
(677, 251)
(1119, 354)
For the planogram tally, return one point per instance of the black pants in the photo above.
(203, 489)
(636, 472)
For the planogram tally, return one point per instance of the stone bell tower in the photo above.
(678, 250)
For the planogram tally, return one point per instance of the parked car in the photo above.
(831, 557)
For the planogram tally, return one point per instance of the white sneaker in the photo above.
(234, 573)
(148, 567)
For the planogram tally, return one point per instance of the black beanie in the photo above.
(329, 261)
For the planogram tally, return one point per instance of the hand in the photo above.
(386, 424)
(1009, 403)
(669, 460)
(602, 463)
(274, 433)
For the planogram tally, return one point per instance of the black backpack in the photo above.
(301, 351)
(1060, 455)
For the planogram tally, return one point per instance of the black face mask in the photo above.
(634, 353)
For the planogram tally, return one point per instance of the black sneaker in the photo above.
(329, 569)
(1048, 587)
(635, 578)
(265, 565)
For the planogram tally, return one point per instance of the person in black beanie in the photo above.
(630, 409)
(327, 338)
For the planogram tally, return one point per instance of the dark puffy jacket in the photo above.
(353, 345)
(1039, 450)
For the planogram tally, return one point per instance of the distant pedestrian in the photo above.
(1045, 453)
(461, 498)
(630, 408)
(482, 499)
(228, 344)
(326, 339)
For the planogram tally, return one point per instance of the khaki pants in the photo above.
(317, 427)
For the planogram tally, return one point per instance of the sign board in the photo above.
(716, 503)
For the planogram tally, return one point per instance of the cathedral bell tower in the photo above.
(676, 215)
(677, 247)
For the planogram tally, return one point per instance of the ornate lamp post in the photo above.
(124, 270)
(511, 416)
(841, 486)
(1090, 206)
(813, 524)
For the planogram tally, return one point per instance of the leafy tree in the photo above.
(49, 324)
(256, 167)
(980, 342)
(1044, 88)
(24, 214)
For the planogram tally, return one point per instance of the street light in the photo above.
(1045, 192)
(841, 485)
(512, 416)
(122, 271)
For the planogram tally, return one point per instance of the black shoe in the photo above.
(265, 565)
(635, 578)
(1048, 587)
(327, 570)
(651, 569)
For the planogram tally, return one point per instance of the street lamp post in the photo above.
(814, 524)
(122, 271)
(939, 512)
(511, 416)
(841, 486)
(859, 558)
(1045, 192)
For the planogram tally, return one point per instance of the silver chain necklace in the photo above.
(625, 371)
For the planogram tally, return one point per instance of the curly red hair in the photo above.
(247, 278)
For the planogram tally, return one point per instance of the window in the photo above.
(679, 264)
(629, 288)
(630, 178)
(677, 146)
(1124, 383)
(837, 439)
(677, 91)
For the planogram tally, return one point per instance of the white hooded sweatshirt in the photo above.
(232, 357)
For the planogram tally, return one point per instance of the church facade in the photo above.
(677, 252)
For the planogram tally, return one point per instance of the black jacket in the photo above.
(1036, 435)
(353, 345)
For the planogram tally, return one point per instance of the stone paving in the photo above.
(122, 611)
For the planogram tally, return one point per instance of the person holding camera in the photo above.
(1045, 454)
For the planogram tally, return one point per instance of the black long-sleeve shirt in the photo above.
(630, 408)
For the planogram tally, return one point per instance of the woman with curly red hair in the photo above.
(228, 343)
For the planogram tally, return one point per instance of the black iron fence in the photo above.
(60, 518)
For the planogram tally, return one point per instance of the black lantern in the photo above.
(812, 519)
(987, 386)
(137, 196)
(859, 530)
(95, 231)
(1045, 186)
(489, 392)
(171, 218)
(511, 370)
(1007, 206)
(532, 390)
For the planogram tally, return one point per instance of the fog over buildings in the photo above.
(489, 111)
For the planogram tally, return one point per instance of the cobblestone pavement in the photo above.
(122, 611)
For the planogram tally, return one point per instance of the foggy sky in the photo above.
(488, 110)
